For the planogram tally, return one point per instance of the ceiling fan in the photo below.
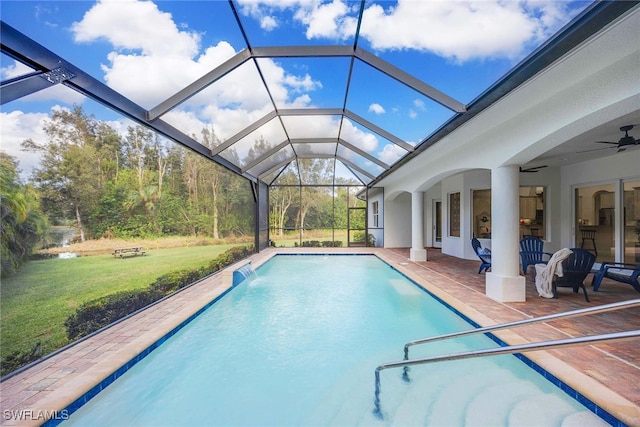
(533, 169)
(625, 141)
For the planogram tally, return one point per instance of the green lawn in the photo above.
(35, 303)
(291, 239)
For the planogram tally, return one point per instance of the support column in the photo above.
(418, 252)
(504, 282)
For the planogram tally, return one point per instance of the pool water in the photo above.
(298, 346)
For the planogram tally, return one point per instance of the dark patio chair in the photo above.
(575, 269)
(532, 252)
(618, 271)
(483, 253)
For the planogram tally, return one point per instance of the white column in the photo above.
(504, 282)
(418, 252)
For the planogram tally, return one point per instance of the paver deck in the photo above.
(606, 373)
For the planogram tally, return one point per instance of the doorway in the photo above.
(436, 235)
(356, 227)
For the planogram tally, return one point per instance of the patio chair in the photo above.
(575, 269)
(532, 252)
(618, 271)
(483, 253)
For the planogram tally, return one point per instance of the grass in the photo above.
(36, 302)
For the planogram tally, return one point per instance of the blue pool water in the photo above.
(298, 346)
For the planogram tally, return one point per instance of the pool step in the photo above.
(477, 393)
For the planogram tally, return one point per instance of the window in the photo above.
(632, 222)
(532, 212)
(481, 215)
(454, 214)
(595, 220)
(375, 214)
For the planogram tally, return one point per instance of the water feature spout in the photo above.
(243, 273)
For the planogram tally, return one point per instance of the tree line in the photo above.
(140, 185)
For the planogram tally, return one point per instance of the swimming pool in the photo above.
(298, 345)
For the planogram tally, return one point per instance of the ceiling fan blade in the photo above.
(532, 169)
(606, 142)
(595, 149)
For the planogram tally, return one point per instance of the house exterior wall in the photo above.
(591, 86)
(397, 221)
(376, 195)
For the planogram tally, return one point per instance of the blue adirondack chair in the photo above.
(483, 253)
(532, 252)
(575, 269)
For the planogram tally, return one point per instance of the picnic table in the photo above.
(133, 250)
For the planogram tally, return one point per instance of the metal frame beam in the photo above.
(200, 84)
(376, 129)
(354, 166)
(410, 81)
(265, 155)
(277, 166)
(244, 132)
(25, 50)
(363, 154)
(24, 85)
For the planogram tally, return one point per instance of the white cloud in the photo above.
(412, 113)
(366, 141)
(453, 29)
(419, 104)
(137, 25)
(268, 23)
(459, 30)
(391, 153)
(324, 20)
(14, 70)
(17, 126)
(152, 57)
(376, 108)
(150, 68)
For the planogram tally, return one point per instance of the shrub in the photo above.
(98, 313)
(332, 244)
(93, 315)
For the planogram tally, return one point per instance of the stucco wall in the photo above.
(397, 221)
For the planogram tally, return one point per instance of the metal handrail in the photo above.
(565, 315)
(546, 345)
(508, 349)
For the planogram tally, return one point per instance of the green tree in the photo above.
(147, 157)
(80, 156)
(23, 225)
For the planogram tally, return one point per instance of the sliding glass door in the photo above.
(597, 210)
(631, 201)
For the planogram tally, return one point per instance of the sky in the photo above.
(148, 51)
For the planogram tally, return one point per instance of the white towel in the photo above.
(545, 273)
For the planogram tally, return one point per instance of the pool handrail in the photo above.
(564, 315)
(544, 345)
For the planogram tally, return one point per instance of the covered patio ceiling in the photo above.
(356, 106)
